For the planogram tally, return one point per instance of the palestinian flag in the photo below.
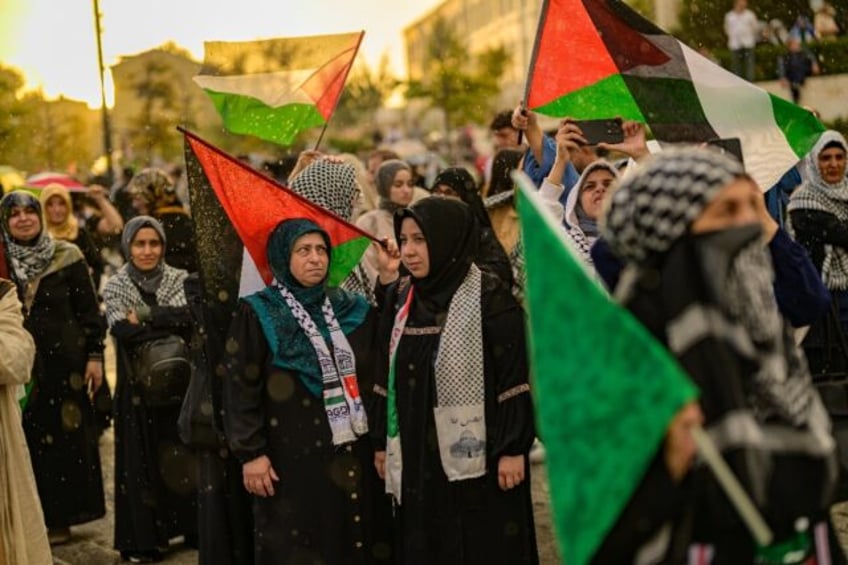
(600, 59)
(255, 204)
(603, 412)
(276, 88)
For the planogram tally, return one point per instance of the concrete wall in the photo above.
(827, 94)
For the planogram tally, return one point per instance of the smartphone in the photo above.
(731, 146)
(601, 131)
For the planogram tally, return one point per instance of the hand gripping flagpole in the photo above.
(732, 488)
(344, 81)
(543, 12)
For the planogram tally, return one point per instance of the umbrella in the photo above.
(10, 178)
(41, 180)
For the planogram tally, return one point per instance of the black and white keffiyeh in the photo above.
(122, 294)
(342, 402)
(816, 194)
(329, 185)
(459, 409)
(654, 207)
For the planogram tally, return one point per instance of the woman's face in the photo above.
(832, 165)
(413, 249)
(593, 191)
(447, 191)
(402, 188)
(24, 223)
(56, 210)
(310, 259)
(736, 205)
(146, 249)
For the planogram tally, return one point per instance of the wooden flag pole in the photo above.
(732, 488)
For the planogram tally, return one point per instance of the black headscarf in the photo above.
(461, 181)
(491, 256)
(452, 235)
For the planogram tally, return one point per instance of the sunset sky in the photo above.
(53, 42)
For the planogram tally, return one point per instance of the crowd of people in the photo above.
(391, 420)
(744, 31)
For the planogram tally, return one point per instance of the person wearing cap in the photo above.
(699, 278)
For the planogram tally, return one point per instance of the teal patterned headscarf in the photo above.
(291, 348)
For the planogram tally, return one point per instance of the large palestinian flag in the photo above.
(255, 204)
(276, 88)
(600, 59)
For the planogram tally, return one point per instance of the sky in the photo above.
(53, 41)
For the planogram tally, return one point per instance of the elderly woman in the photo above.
(154, 497)
(456, 397)
(63, 316)
(699, 277)
(23, 536)
(396, 187)
(155, 194)
(298, 354)
(818, 211)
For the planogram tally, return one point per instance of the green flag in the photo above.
(605, 389)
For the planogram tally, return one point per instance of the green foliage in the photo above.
(464, 89)
(840, 125)
(702, 21)
(153, 127)
(832, 57)
(365, 92)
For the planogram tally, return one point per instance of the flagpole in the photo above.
(305, 201)
(344, 81)
(543, 13)
(732, 488)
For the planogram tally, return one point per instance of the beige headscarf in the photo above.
(68, 229)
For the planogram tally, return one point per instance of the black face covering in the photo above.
(718, 252)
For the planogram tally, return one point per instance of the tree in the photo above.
(13, 112)
(462, 89)
(365, 92)
(154, 125)
(702, 21)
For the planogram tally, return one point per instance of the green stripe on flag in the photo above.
(334, 400)
(606, 98)
(251, 116)
(801, 128)
(345, 257)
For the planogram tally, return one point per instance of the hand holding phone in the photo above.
(601, 131)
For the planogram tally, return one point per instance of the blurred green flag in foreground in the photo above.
(605, 389)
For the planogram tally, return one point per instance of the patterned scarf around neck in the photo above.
(816, 194)
(459, 412)
(342, 402)
(122, 293)
(30, 261)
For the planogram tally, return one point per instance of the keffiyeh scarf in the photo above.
(342, 402)
(459, 409)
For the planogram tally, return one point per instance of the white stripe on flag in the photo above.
(250, 281)
(736, 108)
(274, 89)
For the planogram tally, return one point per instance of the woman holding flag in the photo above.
(456, 396)
(699, 277)
(298, 355)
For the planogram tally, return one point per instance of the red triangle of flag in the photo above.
(326, 84)
(256, 204)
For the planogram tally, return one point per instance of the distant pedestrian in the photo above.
(795, 67)
(741, 26)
